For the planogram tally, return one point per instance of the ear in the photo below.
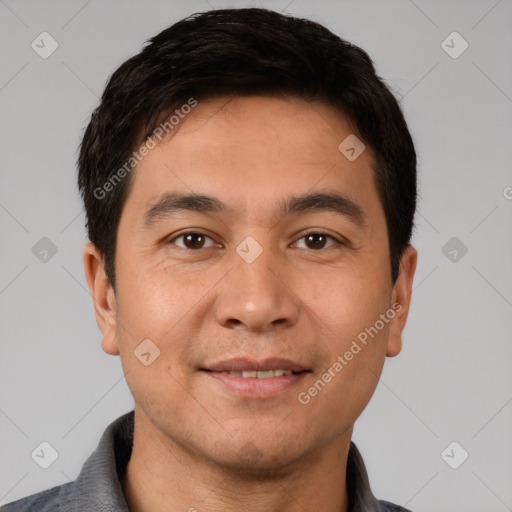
(401, 300)
(103, 296)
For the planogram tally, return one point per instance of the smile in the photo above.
(260, 384)
(264, 374)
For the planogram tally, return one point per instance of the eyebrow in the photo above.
(172, 202)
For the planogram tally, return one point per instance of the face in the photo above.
(283, 266)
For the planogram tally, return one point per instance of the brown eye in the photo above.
(318, 241)
(191, 240)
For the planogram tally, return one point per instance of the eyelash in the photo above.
(337, 242)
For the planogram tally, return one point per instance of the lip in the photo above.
(253, 387)
(257, 388)
(239, 364)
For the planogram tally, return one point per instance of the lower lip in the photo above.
(258, 388)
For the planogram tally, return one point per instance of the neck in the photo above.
(164, 476)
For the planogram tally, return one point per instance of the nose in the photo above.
(258, 296)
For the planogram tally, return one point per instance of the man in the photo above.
(250, 188)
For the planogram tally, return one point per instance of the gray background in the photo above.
(453, 380)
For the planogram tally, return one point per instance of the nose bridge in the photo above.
(254, 293)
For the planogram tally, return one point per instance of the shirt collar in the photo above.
(98, 486)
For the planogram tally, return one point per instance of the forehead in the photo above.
(255, 151)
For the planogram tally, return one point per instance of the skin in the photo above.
(201, 305)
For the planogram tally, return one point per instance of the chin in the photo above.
(258, 459)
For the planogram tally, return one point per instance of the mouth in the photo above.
(261, 374)
(248, 365)
(251, 378)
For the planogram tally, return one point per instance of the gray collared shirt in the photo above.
(98, 486)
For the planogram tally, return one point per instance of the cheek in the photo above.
(152, 300)
(347, 299)
(349, 303)
(167, 305)
(153, 333)
(354, 356)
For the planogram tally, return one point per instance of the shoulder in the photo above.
(386, 506)
(97, 487)
(44, 501)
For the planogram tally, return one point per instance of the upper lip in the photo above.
(243, 363)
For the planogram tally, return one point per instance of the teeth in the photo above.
(264, 374)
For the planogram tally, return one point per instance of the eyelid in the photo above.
(319, 231)
(170, 240)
